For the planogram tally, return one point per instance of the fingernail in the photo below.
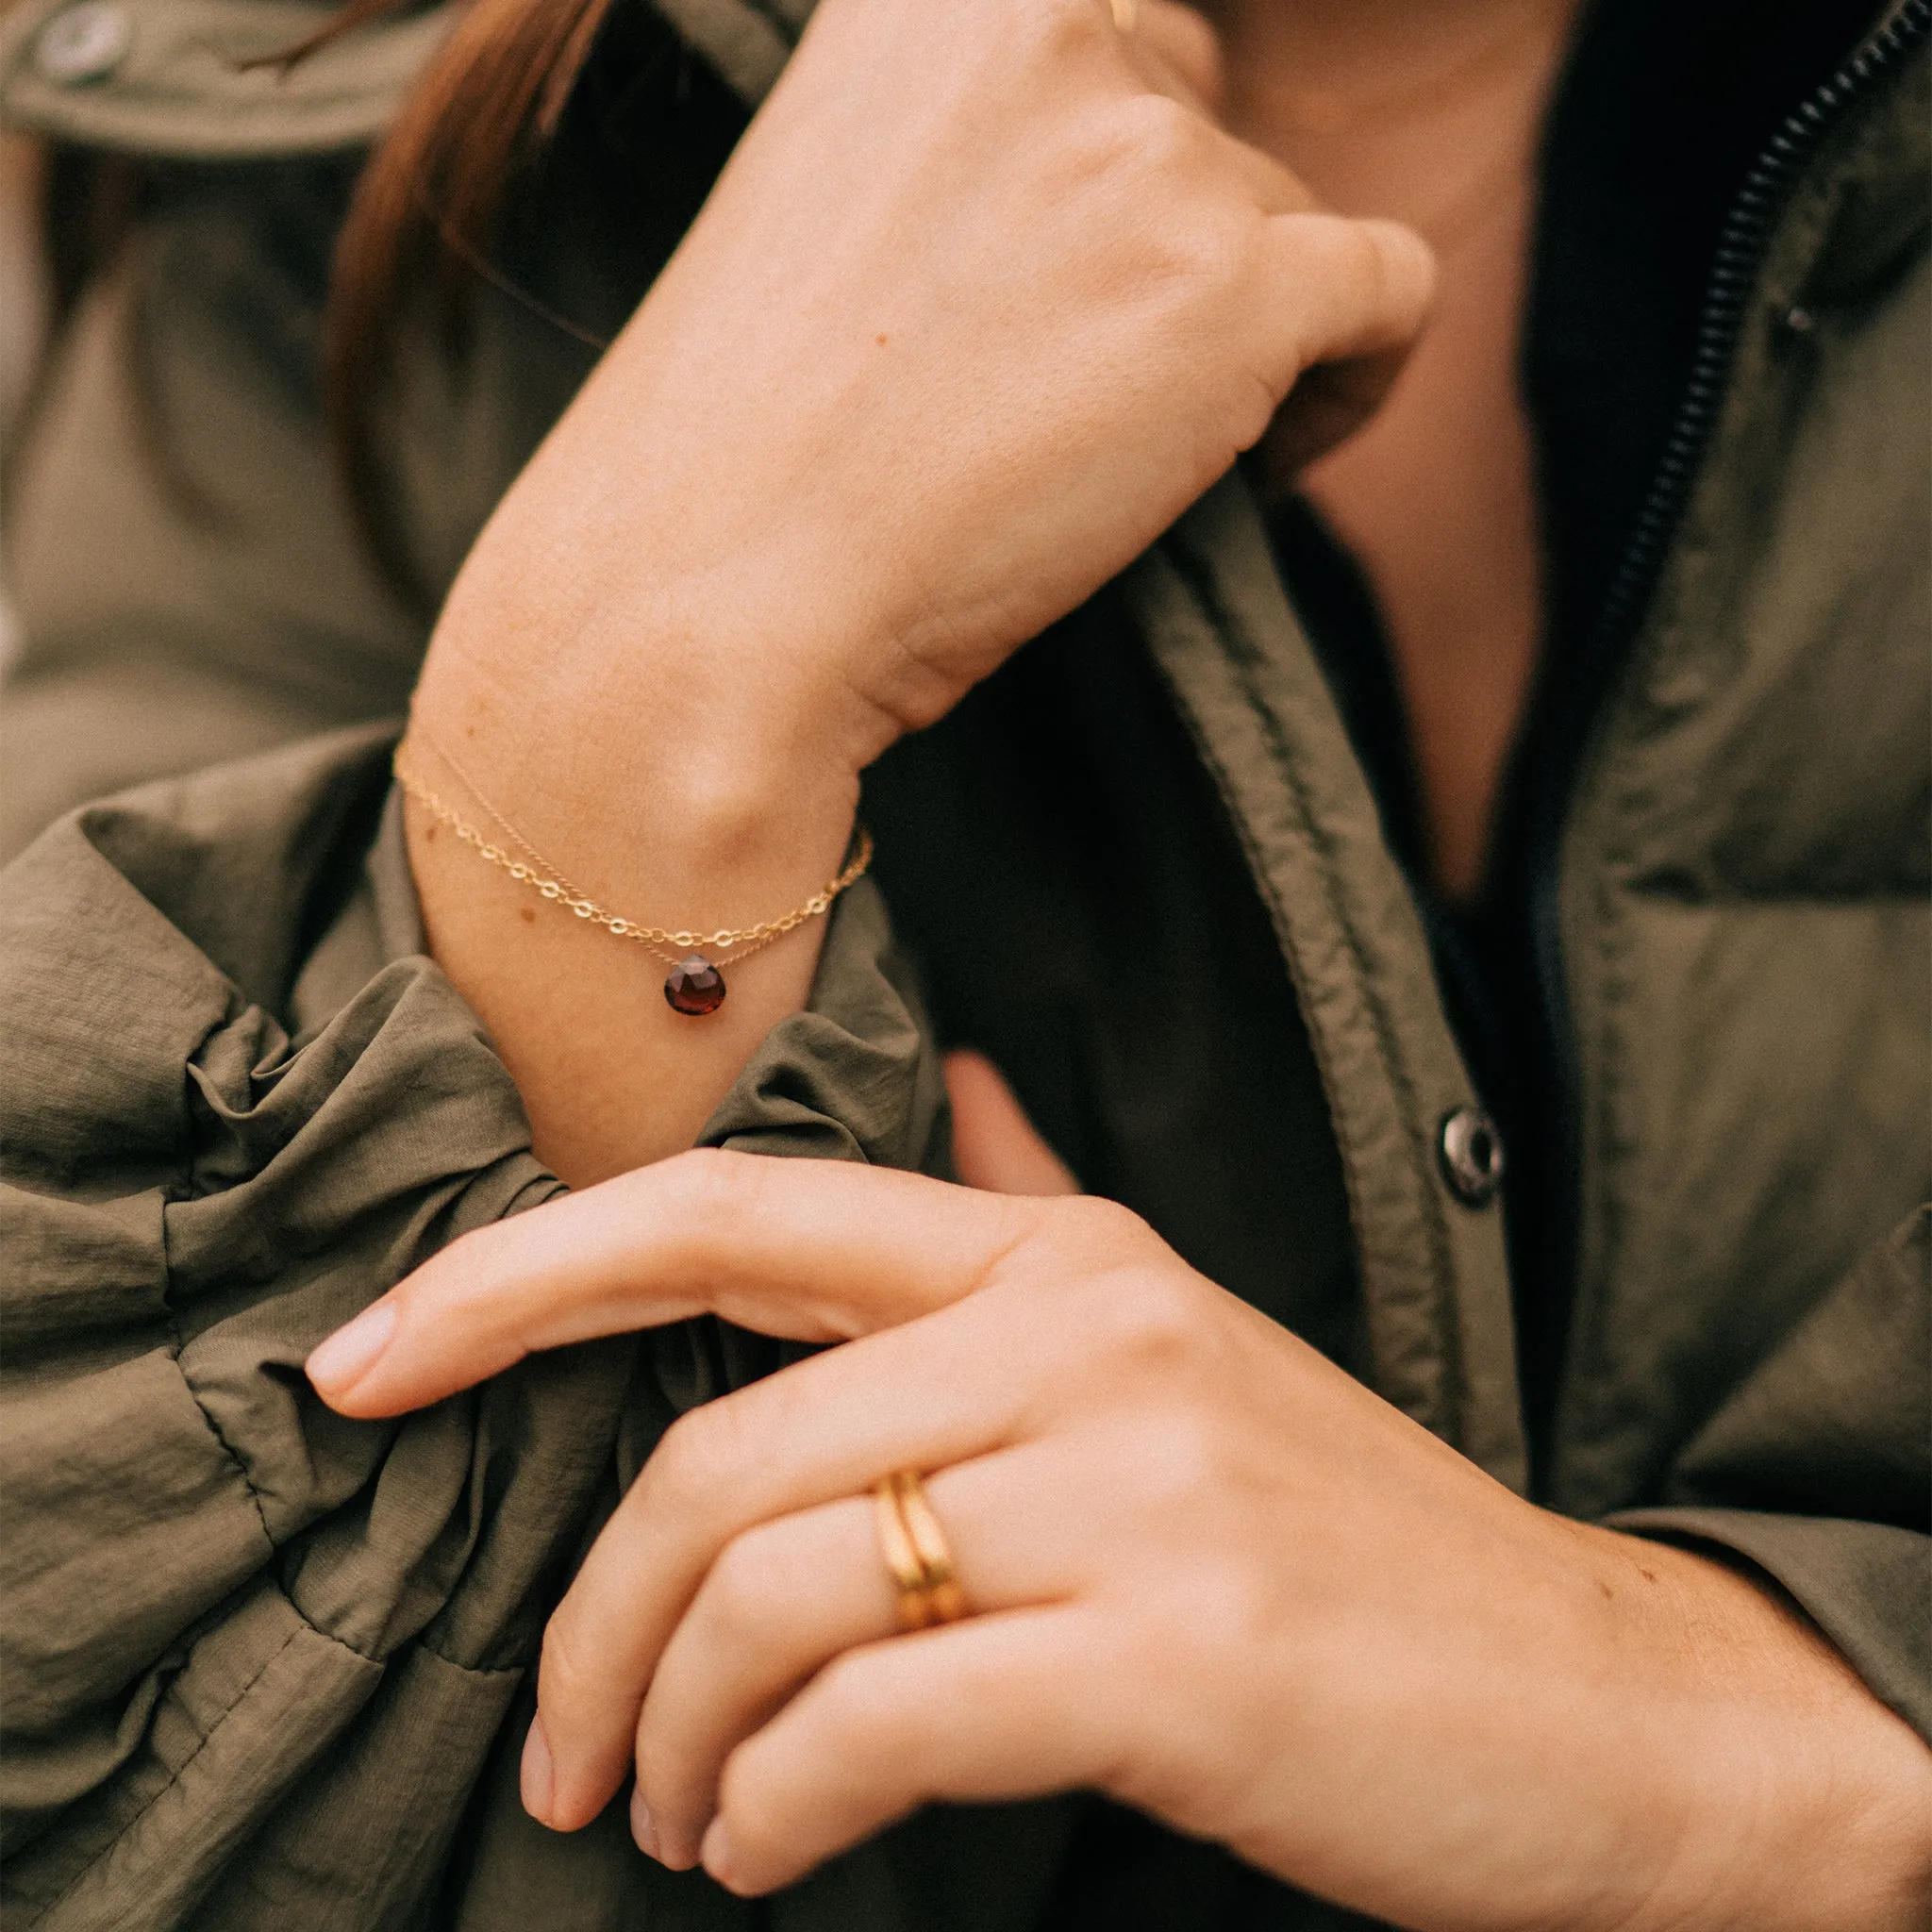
(347, 1355)
(715, 1853)
(644, 1827)
(538, 1779)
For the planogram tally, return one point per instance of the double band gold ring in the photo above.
(917, 1559)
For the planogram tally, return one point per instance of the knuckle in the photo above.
(1157, 133)
(1099, 1229)
(1153, 1317)
(685, 1471)
(1178, 1463)
(1221, 246)
(746, 1579)
(565, 1680)
(1191, 43)
(1055, 30)
(1206, 261)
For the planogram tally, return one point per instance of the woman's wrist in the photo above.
(592, 661)
(687, 804)
(1770, 1790)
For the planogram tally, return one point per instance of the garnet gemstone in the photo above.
(694, 987)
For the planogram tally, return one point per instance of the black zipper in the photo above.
(1740, 255)
(1741, 249)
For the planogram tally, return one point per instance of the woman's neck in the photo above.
(1390, 107)
(1428, 111)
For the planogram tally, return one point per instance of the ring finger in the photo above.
(785, 1597)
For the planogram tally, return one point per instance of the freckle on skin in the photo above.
(529, 918)
(1609, 1593)
(882, 341)
(1648, 1575)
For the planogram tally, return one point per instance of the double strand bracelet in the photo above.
(695, 984)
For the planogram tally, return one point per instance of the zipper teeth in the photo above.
(1734, 275)
(1741, 250)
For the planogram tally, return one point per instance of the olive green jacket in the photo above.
(261, 1662)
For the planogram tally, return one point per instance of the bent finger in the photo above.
(810, 1250)
(995, 1145)
(996, 1708)
(787, 1596)
(961, 1384)
(1178, 51)
(1356, 290)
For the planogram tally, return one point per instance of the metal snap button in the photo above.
(85, 43)
(1472, 1156)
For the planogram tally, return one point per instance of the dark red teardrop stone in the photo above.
(694, 987)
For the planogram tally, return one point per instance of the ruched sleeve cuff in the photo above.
(256, 1654)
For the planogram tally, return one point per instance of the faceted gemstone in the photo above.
(695, 987)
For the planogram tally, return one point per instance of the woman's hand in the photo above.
(1212, 1574)
(983, 300)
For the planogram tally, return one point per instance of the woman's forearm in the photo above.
(620, 798)
(654, 755)
(980, 304)
(1776, 1793)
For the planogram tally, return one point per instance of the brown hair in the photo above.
(491, 98)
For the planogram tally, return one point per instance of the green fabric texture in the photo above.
(1747, 933)
(245, 1638)
(204, 79)
(262, 1665)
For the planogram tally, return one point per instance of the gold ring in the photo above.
(1126, 14)
(914, 1547)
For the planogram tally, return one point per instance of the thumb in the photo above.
(995, 1147)
(1362, 291)
(1358, 287)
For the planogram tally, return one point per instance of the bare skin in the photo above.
(1214, 1575)
(1435, 496)
(694, 617)
(692, 621)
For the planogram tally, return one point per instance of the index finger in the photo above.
(809, 1250)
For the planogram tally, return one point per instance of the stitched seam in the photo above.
(214, 1428)
(443, 1657)
(175, 1776)
(1415, 1131)
(305, 1626)
(1199, 583)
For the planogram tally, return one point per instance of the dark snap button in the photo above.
(1471, 1154)
(85, 43)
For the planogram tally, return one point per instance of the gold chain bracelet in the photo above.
(696, 985)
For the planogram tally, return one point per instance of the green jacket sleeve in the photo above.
(1817, 1469)
(188, 583)
(256, 1654)
(185, 586)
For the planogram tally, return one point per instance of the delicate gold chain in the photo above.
(537, 871)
